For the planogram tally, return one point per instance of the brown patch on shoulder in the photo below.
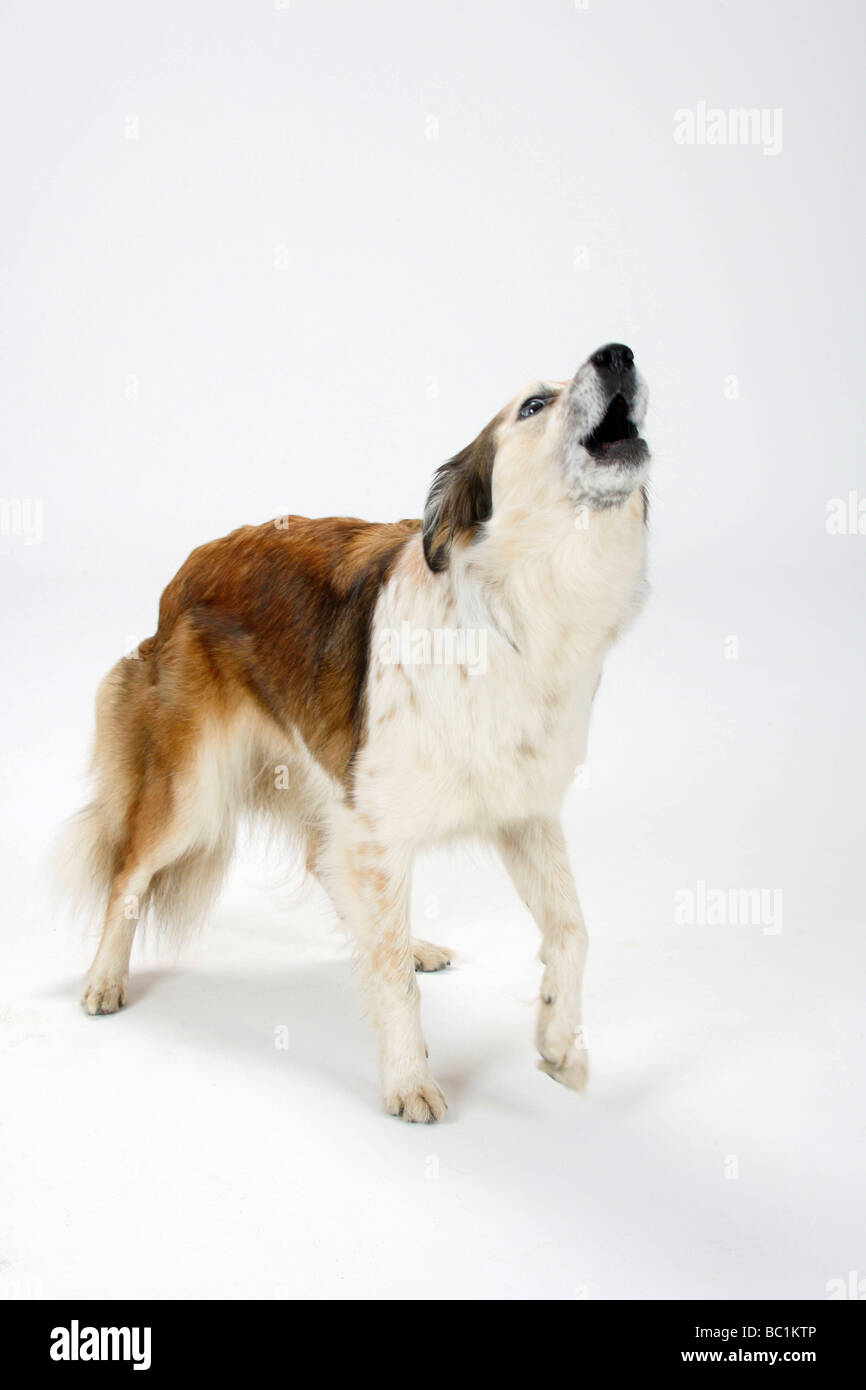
(284, 614)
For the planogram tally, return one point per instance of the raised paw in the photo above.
(420, 1104)
(104, 994)
(563, 1055)
(572, 1070)
(429, 957)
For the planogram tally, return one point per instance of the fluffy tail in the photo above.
(85, 859)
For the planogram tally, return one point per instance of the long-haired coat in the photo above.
(380, 687)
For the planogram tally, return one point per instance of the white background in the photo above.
(263, 259)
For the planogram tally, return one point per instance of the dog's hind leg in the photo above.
(151, 845)
(177, 845)
(172, 870)
(107, 980)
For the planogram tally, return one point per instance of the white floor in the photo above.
(175, 1150)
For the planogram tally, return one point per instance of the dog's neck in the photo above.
(560, 582)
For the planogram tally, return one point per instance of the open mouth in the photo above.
(615, 438)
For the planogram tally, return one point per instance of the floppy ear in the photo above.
(460, 500)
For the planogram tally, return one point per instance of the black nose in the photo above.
(615, 360)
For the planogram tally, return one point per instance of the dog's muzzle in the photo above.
(606, 407)
(616, 438)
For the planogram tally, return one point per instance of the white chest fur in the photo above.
(482, 678)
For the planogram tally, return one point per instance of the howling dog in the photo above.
(274, 651)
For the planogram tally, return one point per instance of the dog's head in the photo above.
(582, 436)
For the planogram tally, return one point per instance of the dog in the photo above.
(316, 672)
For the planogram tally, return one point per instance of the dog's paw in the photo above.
(104, 994)
(429, 957)
(563, 1055)
(420, 1104)
(572, 1070)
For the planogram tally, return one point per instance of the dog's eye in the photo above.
(532, 407)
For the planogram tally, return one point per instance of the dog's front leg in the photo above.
(370, 884)
(535, 856)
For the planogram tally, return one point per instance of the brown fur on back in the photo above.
(283, 611)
